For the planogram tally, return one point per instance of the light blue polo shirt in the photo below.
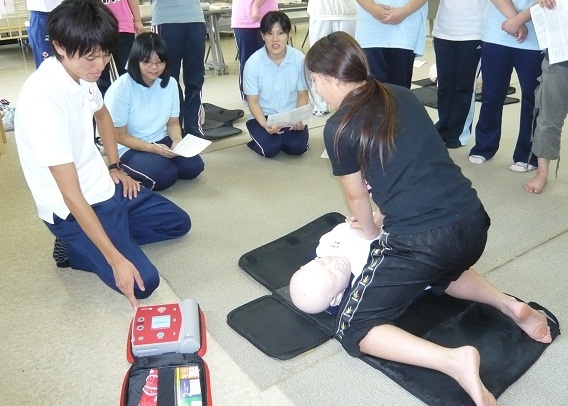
(144, 111)
(409, 34)
(176, 11)
(494, 34)
(276, 86)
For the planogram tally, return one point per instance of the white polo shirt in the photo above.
(54, 126)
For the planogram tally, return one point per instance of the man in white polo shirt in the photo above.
(98, 215)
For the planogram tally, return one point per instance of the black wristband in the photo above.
(116, 165)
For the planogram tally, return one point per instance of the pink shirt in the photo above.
(241, 13)
(121, 10)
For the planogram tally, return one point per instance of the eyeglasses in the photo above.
(148, 64)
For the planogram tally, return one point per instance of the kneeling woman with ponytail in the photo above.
(430, 225)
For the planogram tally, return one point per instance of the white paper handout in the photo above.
(289, 118)
(189, 146)
(539, 22)
(551, 27)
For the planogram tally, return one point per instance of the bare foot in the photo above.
(536, 184)
(532, 322)
(466, 374)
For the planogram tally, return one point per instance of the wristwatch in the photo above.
(116, 165)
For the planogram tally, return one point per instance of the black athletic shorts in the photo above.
(401, 267)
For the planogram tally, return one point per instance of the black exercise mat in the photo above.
(273, 264)
(216, 130)
(506, 351)
(292, 335)
(225, 116)
(428, 96)
(424, 82)
(218, 122)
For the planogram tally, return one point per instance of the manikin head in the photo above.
(320, 284)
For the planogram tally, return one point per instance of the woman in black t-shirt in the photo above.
(430, 224)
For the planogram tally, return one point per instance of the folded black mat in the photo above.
(216, 130)
(277, 328)
(218, 122)
(225, 116)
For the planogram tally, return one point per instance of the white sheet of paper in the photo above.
(539, 22)
(551, 27)
(190, 146)
(289, 118)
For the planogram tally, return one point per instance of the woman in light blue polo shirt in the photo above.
(274, 82)
(392, 33)
(144, 105)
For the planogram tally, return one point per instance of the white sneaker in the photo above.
(319, 113)
(476, 159)
(521, 167)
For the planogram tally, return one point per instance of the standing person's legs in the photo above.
(193, 77)
(120, 56)
(468, 54)
(122, 51)
(391, 65)
(466, 132)
(318, 29)
(295, 142)
(377, 58)
(446, 67)
(248, 41)
(173, 35)
(400, 64)
(263, 143)
(528, 67)
(37, 37)
(497, 67)
(551, 108)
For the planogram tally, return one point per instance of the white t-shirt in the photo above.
(42, 5)
(343, 241)
(460, 20)
(332, 9)
(54, 126)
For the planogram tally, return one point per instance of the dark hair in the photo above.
(339, 56)
(273, 17)
(141, 51)
(82, 27)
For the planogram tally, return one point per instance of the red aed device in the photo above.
(166, 328)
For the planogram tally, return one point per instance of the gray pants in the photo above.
(551, 108)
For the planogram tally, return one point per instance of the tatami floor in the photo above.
(63, 333)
